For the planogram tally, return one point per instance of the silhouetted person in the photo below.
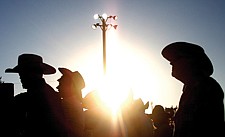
(70, 86)
(139, 105)
(37, 110)
(92, 113)
(161, 122)
(6, 107)
(201, 109)
(136, 122)
(98, 120)
(171, 112)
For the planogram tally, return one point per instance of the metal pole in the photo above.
(104, 44)
(104, 27)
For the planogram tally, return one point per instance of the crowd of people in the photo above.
(42, 111)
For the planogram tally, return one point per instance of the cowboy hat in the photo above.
(74, 76)
(177, 50)
(31, 62)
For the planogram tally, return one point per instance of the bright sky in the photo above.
(60, 31)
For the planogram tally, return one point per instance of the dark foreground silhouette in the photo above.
(201, 92)
(70, 86)
(37, 111)
(42, 111)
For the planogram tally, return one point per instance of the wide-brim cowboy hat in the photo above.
(29, 62)
(177, 50)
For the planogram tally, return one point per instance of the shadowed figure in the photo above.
(161, 122)
(70, 86)
(137, 123)
(36, 111)
(98, 119)
(6, 107)
(139, 105)
(171, 112)
(201, 108)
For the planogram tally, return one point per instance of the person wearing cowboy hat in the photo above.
(70, 89)
(37, 110)
(161, 122)
(201, 108)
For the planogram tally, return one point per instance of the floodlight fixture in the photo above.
(115, 26)
(94, 26)
(115, 17)
(96, 16)
(104, 16)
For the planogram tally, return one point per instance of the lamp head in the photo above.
(104, 16)
(96, 16)
(94, 26)
(115, 26)
(115, 17)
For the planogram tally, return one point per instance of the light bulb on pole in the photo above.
(104, 27)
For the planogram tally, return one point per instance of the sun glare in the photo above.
(112, 93)
(127, 70)
(125, 73)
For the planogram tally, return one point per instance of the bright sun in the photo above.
(125, 73)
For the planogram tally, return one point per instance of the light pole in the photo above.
(104, 27)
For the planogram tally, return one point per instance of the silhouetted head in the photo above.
(187, 59)
(171, 111)
(70, 83)
(159, 115)
(139, 105)
(30, 68)
(158, 110)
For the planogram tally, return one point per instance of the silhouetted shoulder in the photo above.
(212, 87)
(21, 97)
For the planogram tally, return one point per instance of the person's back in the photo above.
(201, 110)
(38, 113)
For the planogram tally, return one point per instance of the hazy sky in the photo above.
(60, 31)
